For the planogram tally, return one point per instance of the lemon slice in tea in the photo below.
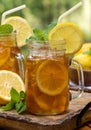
(49, 77)
(8, 80)
(21, 27)
(42, 100)
(71, 34)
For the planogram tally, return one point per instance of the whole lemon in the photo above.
(84, 56)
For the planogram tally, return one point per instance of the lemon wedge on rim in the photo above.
(21, 27)
(70, 33)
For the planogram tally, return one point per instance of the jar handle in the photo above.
(20, 59)
(80, 75)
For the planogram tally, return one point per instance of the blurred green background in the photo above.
(40, 13)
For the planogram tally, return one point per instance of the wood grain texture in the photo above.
(67, 121)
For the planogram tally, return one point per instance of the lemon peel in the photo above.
(71, 34)
(8, 80)
(21, 27)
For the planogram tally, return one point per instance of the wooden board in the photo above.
(67, 121)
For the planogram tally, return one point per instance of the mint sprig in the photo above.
(41, 35)
(48, 28)
(17, 101)
(6, 29)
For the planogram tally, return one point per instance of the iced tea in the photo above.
(46, 80)
(8, 53)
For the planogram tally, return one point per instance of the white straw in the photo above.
(11, 11)
(69, 11)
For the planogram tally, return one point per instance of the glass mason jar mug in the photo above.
(10, 54)
(47, 78)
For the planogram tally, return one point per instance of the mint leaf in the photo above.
(20, 107)
(38, 35)
(15, 97)
(6, 29)
(41, 35)
(17, 101)
(22, 95)
(23, 108)
(32, 38)
(24, 50)
(9, 106)
(48, 29)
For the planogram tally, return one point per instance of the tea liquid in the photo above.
(46, 81)
(8, 52)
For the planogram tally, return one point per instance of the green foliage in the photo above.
(17, 102)
(41, 35)
(42, 12)
(6, 29)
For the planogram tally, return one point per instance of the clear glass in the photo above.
(47, 78)
(9, 53)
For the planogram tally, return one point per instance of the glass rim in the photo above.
(47, 42)
(56, 46)
(8, 34)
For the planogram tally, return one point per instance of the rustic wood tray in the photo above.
(10, 120)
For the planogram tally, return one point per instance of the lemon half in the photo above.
(8, 80)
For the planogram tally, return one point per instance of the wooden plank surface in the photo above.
(67, 121)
